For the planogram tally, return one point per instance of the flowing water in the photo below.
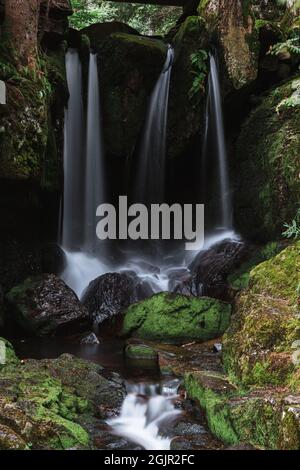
(150, 178)
(72, 225)
(214, 123)
(144, 412)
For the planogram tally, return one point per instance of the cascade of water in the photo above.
(83, 176)
(72, 236)
(94, 174)
(214, 121)
(143, 413)
(151, 163)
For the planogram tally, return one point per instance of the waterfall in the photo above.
(214, 121)
(144, 412)
(72, 236)
(94, 180)
(151, 162)
(83, 176)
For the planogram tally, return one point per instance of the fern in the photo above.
(199, 64)
(293, 229)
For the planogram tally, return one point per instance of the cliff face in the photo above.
(231, 25)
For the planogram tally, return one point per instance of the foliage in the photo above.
(147, 19)
(291, 45)
(199, 63)
(293, 229)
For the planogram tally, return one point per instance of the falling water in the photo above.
(73, 156)
(83, 176)
(144, 412)
(94, 180)
(214, 118)
(151, 162)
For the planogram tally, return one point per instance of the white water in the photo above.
(94, 172)
(150, 180)
(214, 118)
(73, 156)
(143, 413)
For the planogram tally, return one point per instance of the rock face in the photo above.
(45, 305)
(175, 318)
(53, 20)
(268, 155)
(259, 347)
(130, 66)
(264, 418)
(185, 101)
(232, 24)
(51, 404)
(109, 295)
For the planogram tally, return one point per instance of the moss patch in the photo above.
(175, 318)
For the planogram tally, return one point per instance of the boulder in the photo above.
(99, 31)
(211, 268)
(45, 305)
(259, 346)
(140, 352)
(110, 294)
(172, 318)
(267, 155)
(54, 404)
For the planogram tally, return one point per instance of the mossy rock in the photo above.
(8, 357)
(257, 347)
(268, 151)
(174, 318)
(140, 352)
(262, 418)
(50, 404)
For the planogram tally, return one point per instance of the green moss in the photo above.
(267, 154)
(258, 344)
(176, 318)
(140, 351)
(260, 418)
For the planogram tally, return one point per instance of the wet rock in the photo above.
(209, 271)
(141, 352)
(217, 347)
(99, 31)
(45, 305)
(111, 294)
(173, 318)
(90, 339)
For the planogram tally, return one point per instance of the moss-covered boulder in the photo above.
(129, 67)
(268, 151)
(231, 23)
(174, 318)
(264, 418)
(140, 352)
(261, 345)
(51, 404)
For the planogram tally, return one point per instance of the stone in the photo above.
(45, 305)
(173, 318)
(140, 352)
(90, 339)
